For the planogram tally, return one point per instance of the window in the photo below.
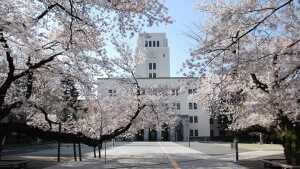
(175, 92)
(191, 133)
(195, 119)
(153, 43)
(191, 91)
(190, 105)
(146, 43)
(150, 66)
(211, 121)
(157, 43)
(112, 92)
(196, 133)
(142, 91)
(178, 106)
(164, 55)
(191, 119)
(212, 133)
(154, 66)
(150, 75)
(195, 105)
(154, 75)
(150, 44)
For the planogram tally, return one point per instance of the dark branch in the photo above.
(37, 65)
(259, 84)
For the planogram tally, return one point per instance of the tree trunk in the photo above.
(291, 143)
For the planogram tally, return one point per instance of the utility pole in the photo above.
(58, 151)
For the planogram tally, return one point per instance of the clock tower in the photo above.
(156, 50)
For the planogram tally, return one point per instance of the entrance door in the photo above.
(139, 136)
(179, 132)
(165, 136)
(152, 135)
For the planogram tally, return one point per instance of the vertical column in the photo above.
(172, 134)
(158, 136)
(146, 134)
(186, 127)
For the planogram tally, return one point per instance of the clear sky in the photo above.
(185, 16)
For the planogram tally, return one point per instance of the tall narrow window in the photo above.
(178, 106)
(191, 133)
(153, 43)
(191, 119)
(190, 105)
(195, 105)
(190, 91)
(154, 75)
(146, 43)
(196, 133)
(150, 43)
(154, 66)
(150, 66)
(164, 55)
(150, 75)
(157, 43)
(195, 119)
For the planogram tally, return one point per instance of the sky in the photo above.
(185, 16)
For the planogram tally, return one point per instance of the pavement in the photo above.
(148, 155)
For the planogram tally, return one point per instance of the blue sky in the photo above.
(185, 16)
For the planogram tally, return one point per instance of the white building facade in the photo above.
(193, 124)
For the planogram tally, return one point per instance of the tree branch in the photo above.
(259, 84)
(37, 65)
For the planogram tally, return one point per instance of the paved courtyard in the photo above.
(148, 155)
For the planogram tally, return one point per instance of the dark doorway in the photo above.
(152, 135)
(165, 135)
(139, 136)
(179, 132)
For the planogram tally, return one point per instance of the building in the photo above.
(193, 124)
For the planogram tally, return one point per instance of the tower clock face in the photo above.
(152, 53)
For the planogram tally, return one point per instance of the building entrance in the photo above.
(165, 135)
(139, 136)
(179, 132)
(152, 135)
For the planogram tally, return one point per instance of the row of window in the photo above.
(152, 66)
(112, 92)
(151, 43)
(193, 133)
(191, 106)
(174, 91)
(193, 119)
(191, 91)
(152, 75)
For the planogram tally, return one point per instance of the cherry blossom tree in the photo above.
(44, 41)
(247, 60)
